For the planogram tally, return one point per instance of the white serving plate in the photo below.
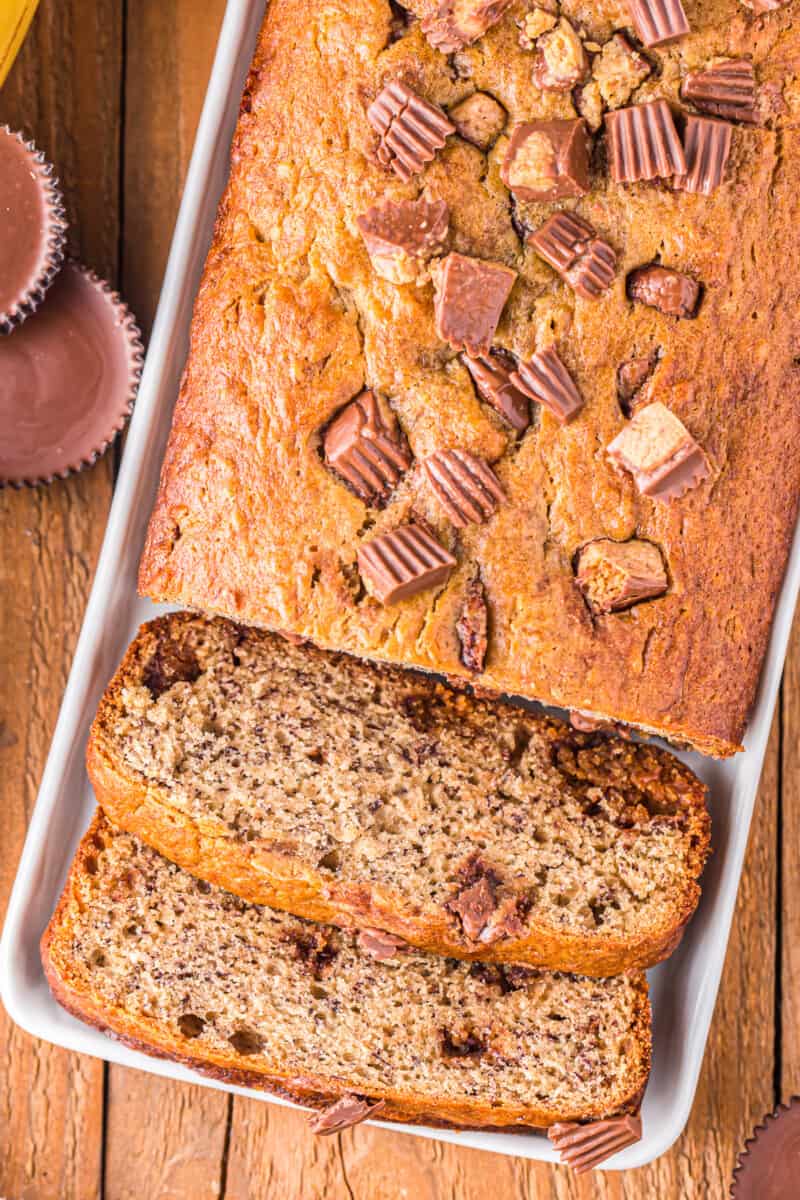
(683, 990)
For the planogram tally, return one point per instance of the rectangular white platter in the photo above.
(683, 990)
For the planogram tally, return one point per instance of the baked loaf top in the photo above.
(346, 792)
(667, 301)
(178, 968)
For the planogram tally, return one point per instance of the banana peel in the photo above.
(15, 19)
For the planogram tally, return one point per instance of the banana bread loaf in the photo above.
(183, 970)
(494, 363)
(350, 793)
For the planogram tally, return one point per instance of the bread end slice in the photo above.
(182, 970)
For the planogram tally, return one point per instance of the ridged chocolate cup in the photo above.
(767, 1168)
(68, 380)
(35, 224)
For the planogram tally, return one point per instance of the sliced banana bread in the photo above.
(184, 970)
(355, 794)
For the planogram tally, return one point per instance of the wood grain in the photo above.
(117, 108)
(67, 79)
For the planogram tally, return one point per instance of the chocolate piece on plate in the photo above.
(472, 627)
(546, 380)
(364, 445)
(479, 119)
(547, 160)
(660, 453)
(469, 299)
(724, 89)
(583, 1147)
(404, 562)
(670, 291)
(706, 145)
(643, 143)
(411, 129)
(466, 486)
(658, 21)
(456, 23)
(583, 260)
(401, 236)
(492, 376)
(343, 1114)
(615, 575)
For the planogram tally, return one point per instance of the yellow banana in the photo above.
(15, 17)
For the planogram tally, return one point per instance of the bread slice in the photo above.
(354, 794)
(184, 970)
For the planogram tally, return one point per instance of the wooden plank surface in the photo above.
(112, 93)
(66, 83)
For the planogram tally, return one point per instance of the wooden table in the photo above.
(111, 92)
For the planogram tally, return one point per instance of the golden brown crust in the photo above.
(263, 874)
(291, 323)
(150, 1037)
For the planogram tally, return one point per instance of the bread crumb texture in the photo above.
(293, 322)
(187, 970)
(303, 779)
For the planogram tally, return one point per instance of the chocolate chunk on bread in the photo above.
(297, 317)
(180, 969)
(354, 794)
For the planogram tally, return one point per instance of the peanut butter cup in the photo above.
(767, 1167)
(68, 379)
(32, 228)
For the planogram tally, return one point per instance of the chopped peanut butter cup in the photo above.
(365, 447)
(472, 627)
(380, 945)
(546, 380)
(632, 377)
(547, 160)
(32, 229)
(584, 1147)
(668, 290)
(469, 300)
(411, 129)
(767, 1167)
(643, 143)
(572, 248)
(561, 61)
(456, 23)
(759, 7)
(479, 119)
(615, 575)
(404, 562)
(706, 145)
(658, 21)
(586, 723)
(660, 453)
(492, 377)
(343, 1114)
(400, 237)
(726, 88)
(466, 486)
